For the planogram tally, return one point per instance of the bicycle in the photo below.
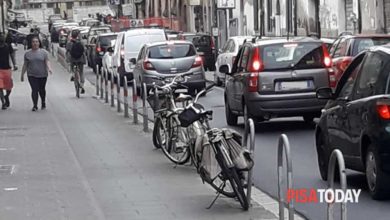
(223, 174)
(166, 124)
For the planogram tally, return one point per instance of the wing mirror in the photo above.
(224, 69)
(324, 93)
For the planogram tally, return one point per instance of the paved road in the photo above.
(78, 159)
(301, 136)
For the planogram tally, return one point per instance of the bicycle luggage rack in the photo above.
(337, 155)
(284, 144)
(249, 131)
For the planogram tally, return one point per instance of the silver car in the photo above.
(166, 59)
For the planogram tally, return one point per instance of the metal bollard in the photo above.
(118, 93)
(97, 80)
(106, 85)
(135, 105)
(337, 155)
(125, 98)
(112, 89)
(145, 109)
(284, 144)
(249, 130)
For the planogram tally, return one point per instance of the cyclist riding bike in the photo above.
(76, 57)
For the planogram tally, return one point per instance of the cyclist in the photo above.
(75, 56)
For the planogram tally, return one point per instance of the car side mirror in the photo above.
(224, 69)
(219, 50)
(324, 93)
(133, 61)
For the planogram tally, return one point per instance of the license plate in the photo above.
(181, 91)
(294, 85)
(178, 79)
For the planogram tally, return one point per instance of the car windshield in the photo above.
(134, 43)
(288, 55)
(171, 51)
(365, 43)
(108, 40)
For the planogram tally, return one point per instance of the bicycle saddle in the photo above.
(183, 97)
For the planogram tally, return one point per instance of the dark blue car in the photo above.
(356, 120)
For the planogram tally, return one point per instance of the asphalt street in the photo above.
(304, 156)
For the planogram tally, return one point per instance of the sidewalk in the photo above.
(79, 159)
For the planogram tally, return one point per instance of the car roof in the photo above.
(108, 34)
(268, 41)
(100, 27)
(167, 42)
(383, 48)
(139, 31)
(365, 36)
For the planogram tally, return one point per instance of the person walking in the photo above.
(10, 40)
(37, 66)
(5, 72)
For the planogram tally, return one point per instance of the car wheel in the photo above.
(378, 181)
(322, 156)
(231, 119)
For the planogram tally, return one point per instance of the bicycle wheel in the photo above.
(176, 146)
(159, 132)
(238, 188)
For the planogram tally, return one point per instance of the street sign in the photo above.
(215, 31)
(127, 9)
(224, 4)
(194, 2)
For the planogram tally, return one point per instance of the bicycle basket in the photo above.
(156, 101)
(189, 115)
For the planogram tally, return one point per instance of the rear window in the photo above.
(107, 40)
(171, 51)
(365, 43)
(288, 55)
(134, 43)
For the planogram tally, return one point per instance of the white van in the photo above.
(128, 45)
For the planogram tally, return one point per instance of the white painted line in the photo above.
(11, 189)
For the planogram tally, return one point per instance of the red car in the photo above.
(347, 47)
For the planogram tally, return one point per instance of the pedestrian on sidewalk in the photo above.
(5, 72)
(37, 65)
(10, 40)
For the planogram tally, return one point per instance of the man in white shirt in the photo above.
(107, 59)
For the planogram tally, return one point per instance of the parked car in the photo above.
(97, 48)
(96, 30)
(276, 78)
(128, 45)
(205, 46)
(356, 120)
(169, 58)
(63, 35)
(227, 55)
(17, 36)
(348, 46)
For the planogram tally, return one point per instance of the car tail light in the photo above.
(198, 62)
(253, 82)
(327, 58)
(148, 65)
(332, 78)
(212, 43)
(122, 52)
(344, 64)
(98, 49)
(383, 110)
(256, 64)
(233, 59)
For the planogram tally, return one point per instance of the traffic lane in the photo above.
(304, 156)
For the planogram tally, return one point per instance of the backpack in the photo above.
(77, 50)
